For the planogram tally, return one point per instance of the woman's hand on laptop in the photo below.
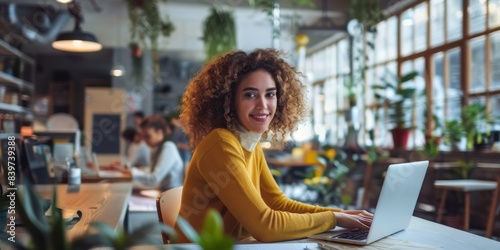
(354, 219)
(119, 167)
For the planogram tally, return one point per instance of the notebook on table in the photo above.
(395, 206)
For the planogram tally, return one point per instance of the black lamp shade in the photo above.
(76, 41)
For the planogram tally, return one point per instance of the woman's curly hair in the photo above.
(208, 101)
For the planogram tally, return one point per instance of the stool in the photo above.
(467, 186)
(493, 210)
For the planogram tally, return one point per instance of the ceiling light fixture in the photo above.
(76, 40)
(65, 1)
(118, 70)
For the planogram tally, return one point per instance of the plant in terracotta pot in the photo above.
(398, 97)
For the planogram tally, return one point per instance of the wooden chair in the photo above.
(168, 204)
(493, 210)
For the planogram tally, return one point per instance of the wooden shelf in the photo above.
(20, 85)
(6, 49)
(5, 78)
(15, 108)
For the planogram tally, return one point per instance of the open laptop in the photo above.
(395, 206)
(104, 173)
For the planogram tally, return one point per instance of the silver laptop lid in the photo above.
(397, 199)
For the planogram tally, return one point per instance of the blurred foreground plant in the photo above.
(51, 234)
(211, 236)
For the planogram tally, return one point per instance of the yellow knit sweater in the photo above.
(226, 177)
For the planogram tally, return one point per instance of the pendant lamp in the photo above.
(76, 40)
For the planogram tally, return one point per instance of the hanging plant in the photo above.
(219, 33)
(368, 12)
(146, 27)
(137, 62)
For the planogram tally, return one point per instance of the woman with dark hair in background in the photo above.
(138, 152)
(166, 170)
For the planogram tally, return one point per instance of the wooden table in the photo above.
(101, 179)
(466, 186)
(287, 162)
(104, 202)
(420, 233)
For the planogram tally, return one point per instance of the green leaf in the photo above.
(58, 233)
(32, 215)
(109, 234)
(408, 77)
(145, 234)
(407, 93)
(213, 224)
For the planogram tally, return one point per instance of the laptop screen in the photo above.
(37, 154)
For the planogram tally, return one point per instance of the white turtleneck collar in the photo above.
(248, 139)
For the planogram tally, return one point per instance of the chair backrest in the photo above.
(168, 204)
(62, 122)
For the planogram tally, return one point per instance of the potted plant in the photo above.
(436, 127)
(400, 107)
(476, 122)
(453, 134)
(146, 26)
(464, 169)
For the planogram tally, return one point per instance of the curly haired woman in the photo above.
(227, 107)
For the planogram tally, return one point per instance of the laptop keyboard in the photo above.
(352, 235)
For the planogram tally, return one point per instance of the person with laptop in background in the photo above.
(137, 118)
(166, 169)
(138, 151)
(227, 107)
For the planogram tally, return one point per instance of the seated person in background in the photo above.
(137, 118)
(180, 138)
(233, 101)
(166, 170)
(138, 152)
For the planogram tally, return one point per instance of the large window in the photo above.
(453, 44)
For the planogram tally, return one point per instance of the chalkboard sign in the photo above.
(106, 133)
